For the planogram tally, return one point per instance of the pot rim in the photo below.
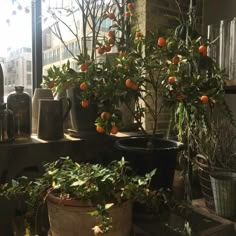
(79, 203)
(177, 146)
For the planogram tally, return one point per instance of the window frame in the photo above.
(37, 53)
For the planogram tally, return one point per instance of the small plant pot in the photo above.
(224, 192)
(71, 217)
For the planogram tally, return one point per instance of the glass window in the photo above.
(29, 79)
(105, 25)
(28, 66)
(15, 44)
(52, 31)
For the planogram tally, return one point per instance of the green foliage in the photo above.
(93, 184)
(170, 63)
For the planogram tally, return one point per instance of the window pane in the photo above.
(15, 44)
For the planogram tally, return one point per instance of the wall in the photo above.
(213, 12)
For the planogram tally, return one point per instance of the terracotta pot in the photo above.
(71, 218)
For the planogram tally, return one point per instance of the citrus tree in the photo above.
(96, 77)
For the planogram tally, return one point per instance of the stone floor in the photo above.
(201, 222)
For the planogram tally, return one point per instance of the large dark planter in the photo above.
(82, 119)
(144, 156)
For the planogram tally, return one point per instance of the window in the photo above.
(29, 79)
(28, 66)
(15, 46)
(105, 25)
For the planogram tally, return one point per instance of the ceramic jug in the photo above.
(51, 118)
(39, 93)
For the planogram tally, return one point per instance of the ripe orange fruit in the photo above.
(111, 15)
(204, 99)
(128, 83)
(130, 6)
(126, 67)
(51, 84)
(114, 129)
(171, 79)
(111, 40)
(100, 129)
(138, 35)
(110, 33)
(83, 67)
(134, 86)
(161, 42)
(175, 60)
(84, 103)
(203, 50)
(107, 48)
(105, 115)
(138, 115)
(180, 97)
(127, 14)
(101, 50)
(122, 53)
(65, 86)
(83, 86)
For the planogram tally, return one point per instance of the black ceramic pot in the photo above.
(145, 154)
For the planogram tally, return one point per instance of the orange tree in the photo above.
(164, 65)
(177, 68)
(96, 78)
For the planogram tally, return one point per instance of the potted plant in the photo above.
(84, 198)
(171, 68)
(91, 77)
(216, 166)
(194, 91)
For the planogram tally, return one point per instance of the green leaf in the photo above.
(151, 174)
(52, 172)
(108, 205)
(78, 183)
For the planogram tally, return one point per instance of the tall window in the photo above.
(15, 44)
(28, 66)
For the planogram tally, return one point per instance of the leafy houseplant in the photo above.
(90, 184)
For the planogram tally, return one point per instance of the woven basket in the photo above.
(205, 181)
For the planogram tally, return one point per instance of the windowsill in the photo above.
(230, 86)
(35, 140)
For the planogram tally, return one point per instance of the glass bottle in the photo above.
(21, 104)
(6, 124)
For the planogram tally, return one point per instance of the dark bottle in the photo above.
(21, 104)
(6, 124)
